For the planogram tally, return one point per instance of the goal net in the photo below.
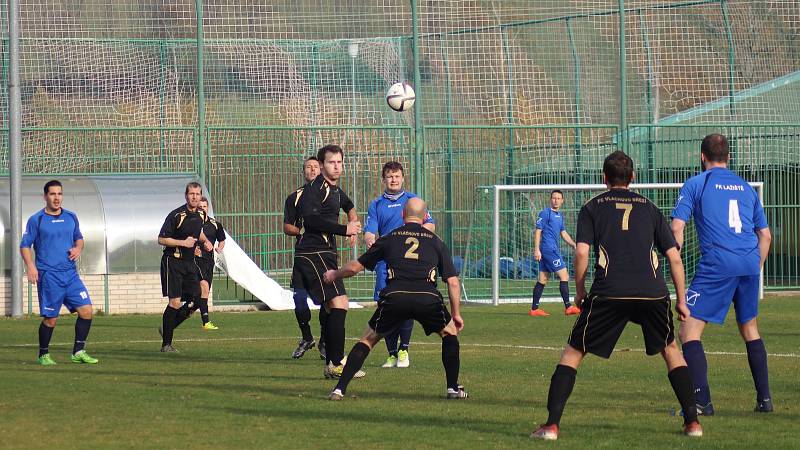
(505, 271)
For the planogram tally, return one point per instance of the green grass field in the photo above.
(238, 387)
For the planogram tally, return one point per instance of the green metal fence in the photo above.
(239, 92)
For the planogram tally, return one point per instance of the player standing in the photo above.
(734, 243)
(415, 257)
(549, 231)
(625, 230)
(179, 235)
(55, 235)
(316, 250)
(385, 214)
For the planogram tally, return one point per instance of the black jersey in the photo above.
(180, 224)
(414, 257)
(318, 208)
(625, 230)
(290, 215)
(214, 232)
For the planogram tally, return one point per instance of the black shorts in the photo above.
(309, 267)
(601, 322)
(206, 268)
(178, 277)
(394, 308)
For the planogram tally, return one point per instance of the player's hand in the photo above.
(369, 239)
(189, 242)
(197, 252)
(33, 275)
(353, 228)
(74, 253)
(220, 246)
(208, 246)
(682, 310)
(353, 239)
(580, 294)
(329, 276)
(537, 255)
(458, 321)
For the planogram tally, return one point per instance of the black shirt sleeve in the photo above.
(220, 232)
(374, 254)
(664, 239)
(168, 228)
(309, 208)
(345, 202)
(446, 267)
(289, 210)
(585, 232)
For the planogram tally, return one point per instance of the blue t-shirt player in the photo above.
(734, 242)
(55, 236)
(549, 232)
(384, 215)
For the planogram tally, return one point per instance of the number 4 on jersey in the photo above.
(734, 221)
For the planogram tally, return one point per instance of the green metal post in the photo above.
(448, 200)
(623, 78)
(511, 165)
(731, 54)
(201, 94)
(162, 88)
(576, 62)
(419, 144)
(106, 310)
(651, 119)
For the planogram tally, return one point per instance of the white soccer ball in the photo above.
(401, 96)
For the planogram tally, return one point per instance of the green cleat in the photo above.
(46, 360)
(83, 357)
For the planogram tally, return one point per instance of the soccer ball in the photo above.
(400, 97)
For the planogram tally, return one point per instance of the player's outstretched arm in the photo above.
(581, 264)
(350, 269)
(679, 281)
(454, 294)
(764, 241)
(677, 226)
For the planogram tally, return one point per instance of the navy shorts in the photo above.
(60, 288)
(551, 262)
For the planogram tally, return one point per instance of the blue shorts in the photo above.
(60, 288)
(381, 276)
(551, 262)
(710, 298)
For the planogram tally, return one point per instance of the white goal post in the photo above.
(497, 189)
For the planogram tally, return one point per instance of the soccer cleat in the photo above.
(321, 348)
(572, 310)
(693, 429)
(391, 361)
(46, 360)
(302, 347)
(332, 371)
(538, 312)
(456, 394)
(210, 326)
(336, 395)
(402, 358)
(707, 410)
(546, 432)
(764, 406)
(83, 357)
(169, 349)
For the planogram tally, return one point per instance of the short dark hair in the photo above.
(392, 166)
(330, 148)
(715, 148)
(310, 158)
(194, 185)
(204, 199)
(618, 169)
(556, 191)
(51, 183)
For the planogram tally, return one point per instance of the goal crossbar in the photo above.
(498, 188)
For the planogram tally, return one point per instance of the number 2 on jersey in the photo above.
(628, 207)
(734, 221)
(411, 252)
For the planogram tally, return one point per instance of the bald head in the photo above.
(415, 211)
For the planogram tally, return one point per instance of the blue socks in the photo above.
(563, 287)
(45, 334)
(698, 370)
(405, 334)
(757, 357)
(82, 327)
(537, 295)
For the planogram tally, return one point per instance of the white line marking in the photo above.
(294, 338)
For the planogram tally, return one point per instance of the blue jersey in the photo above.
(726, 212)
(551, 223)
(385, 215)
(51, 238)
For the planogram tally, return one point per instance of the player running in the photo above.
(414, 257)
(734, 243)
(549, 231)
